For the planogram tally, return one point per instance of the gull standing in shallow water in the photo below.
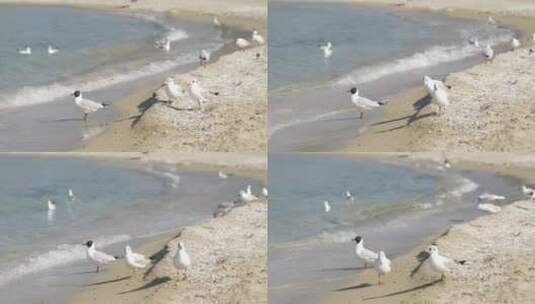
(70, 195)
(135, 260)
(98, 257)
(488, 207)
(51, 205)
(326, 206)
(25, 51)
(382, 265)
(366, 255)
(363, 104)
(88, 106)
(52, 50)
(437, 262)
(182, 261)
(327, 49)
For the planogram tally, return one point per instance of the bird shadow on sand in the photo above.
(397, 293)
(343, 269)
(151, 284)
(359, 286)
(108, 281)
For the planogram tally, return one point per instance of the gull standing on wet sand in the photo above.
(437, 262)
(88, 106)
(98, 257)
(135, 260)
(172, 89)
(382, 265)
(440, 97)
(366, 255)
(363, 104)
(181, 260)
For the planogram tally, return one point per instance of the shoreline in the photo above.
(399, 288)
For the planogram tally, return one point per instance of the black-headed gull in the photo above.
(437, 262)
(195, 92)
(247, 195)
(529, 192)
(440, 97)
(366, 255)
(88, 106)
(98, 257)
(488, 207)
(51, 205)
(363, 104)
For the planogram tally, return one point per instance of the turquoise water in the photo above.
(115, 203)
(395, 208)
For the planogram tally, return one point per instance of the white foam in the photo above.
(431, 57)
(63, 254)
(276, 128)
(464, 186)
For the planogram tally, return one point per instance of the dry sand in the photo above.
(228, 265)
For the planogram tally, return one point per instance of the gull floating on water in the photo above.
(182, 261)
(204, 57)
(247, 195)
(195, 92)
(256, 37)
(172, 89)
(222, 175)
(88, 106)
(25, 51)
(98, 257)
(326, 206)
(135, 260)
(437, 262)
(52, 50)
(349, 195)
(51, 205)
(242, 43)
(70, 195)
(327, 49)
(363, 104)
(382, 265)
(488, 52)
(515, 43)
(366, 255)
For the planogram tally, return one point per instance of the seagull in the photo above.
(216, 21)
(530, 192)
(488, 207)
(382, 266)
(490, 197)
(430, 84)
(242, 43)
(366, 255)
(222, 175)
(135, 260)
(256, 37)
(327, 206)
(327, 49)
(52, 50)
(204, 57)
(492, 21)
(474, 41)
(515, 43)
(247, 195)
(440, 97)
(488, 52)
(437, 262)
(265, 191)
(98, 257)
(181, 261)
(172, 89)
(88, 106)
(70, 195)
(195, 92)
(349, 195)
(362, 103)
(25, 51)
(51, 205)
(164, 44)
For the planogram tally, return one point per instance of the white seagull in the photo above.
(327, 49)
(98, 257)
(430, 84)
(256, 37)
(437, 262)
(25, 51)
(51, 205)
(492, 21)
(247, 195)
(529, 192)
(70, 195)
(363, 104)
(222, 175)
(181, 261)
(135, 260)
(488, 52)
(216, 22)
(488, 207)
(349, 195)
(204, 57)
(440, 97)
(474, 41)
(264, 191)
(172, 89)
(242, 43)
(195, 92)
(52, 50)
(382, 265)
(515, 43)
(366, 255)
(88, 106)
(326, 206)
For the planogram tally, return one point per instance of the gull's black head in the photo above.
(76, 93)
(353, 90)
(358, 239)
(89, 243)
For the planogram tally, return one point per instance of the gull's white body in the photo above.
(265, 191)
(515, 43)
(382, 265)
(247, 195)
(440, 97)
(488, 52)
(181, 260)
(172, 89)
(98, 257)
(256, 37)
(217, 23)
(51, 50)
(530, 192)
(366, 255)
(51, 205)
(437, 262)
(488, 207)
(195, 92)
(242, 43)
(222, 175)
(70, 195)
(326, 206)
(430, 84)
(135, 260)
(88, 106)
(363, 104)
(204, 56)
(25, 51)
(327, 50)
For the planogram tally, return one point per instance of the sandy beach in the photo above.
(498, 248)
(228, 265)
